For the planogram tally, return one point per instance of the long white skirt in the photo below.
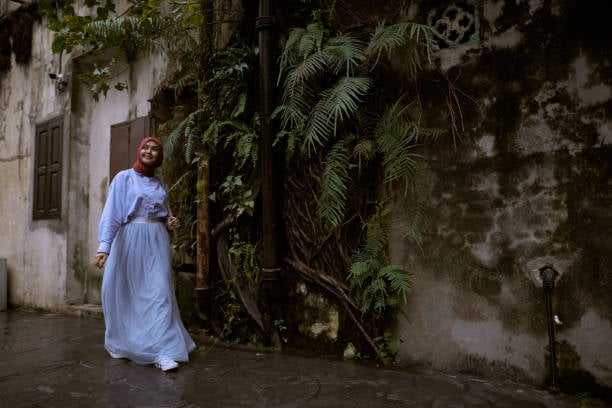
(141, 314)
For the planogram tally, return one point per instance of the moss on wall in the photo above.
(530, 182)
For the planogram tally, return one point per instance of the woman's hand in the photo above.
(173, 223)
(100, 259)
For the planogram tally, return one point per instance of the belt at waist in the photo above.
(145, 220)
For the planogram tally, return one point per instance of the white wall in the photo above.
(49, 262)
(35, 251)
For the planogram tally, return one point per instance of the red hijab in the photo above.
(142, 168)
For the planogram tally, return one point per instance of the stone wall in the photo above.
(526, 182)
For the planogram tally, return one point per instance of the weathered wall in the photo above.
(528, 184)
(50, 261)
(35, 251)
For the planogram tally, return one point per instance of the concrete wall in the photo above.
(35, 251)
(528, 184)
(50, 262)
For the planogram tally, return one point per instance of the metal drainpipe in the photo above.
(549, 274)
(269, 193)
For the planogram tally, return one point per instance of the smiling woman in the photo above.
(141, 314)
(150, 156)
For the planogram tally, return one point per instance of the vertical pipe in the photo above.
(551, 341)
(549, 274)
(270, 207)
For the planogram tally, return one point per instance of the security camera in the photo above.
(59, 77)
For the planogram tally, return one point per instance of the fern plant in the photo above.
(347, 98)
(378, 286)
(329, 92)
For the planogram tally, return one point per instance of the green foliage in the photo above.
(378, 286)
(385, 344)
(404, 38)
(61, 14)
(336, 103)
(98, 80)
(396, 138)
(244, 259)
(142, 30)
(336, 179)
(330, 93)
(236, 195)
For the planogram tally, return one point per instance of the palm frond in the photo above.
(359, 273)
(154, 33)
(289, 55)
(335, 104)
(344, 53)
(302, 42)
(409, 36)
(334, 185)
(396, 136)
(211, 135)
(376, 238)
(296, 104)
(244, 138)
(413, 218)
(376, 241)
(180, 131)
(364, 150)
(183, 82)
(315, 63)
(312, 39)
(399, 279)
(341, 53)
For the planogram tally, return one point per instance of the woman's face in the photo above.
(149, 154)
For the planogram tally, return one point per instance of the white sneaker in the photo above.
(166, 364)
(115, 355)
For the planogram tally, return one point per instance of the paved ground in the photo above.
(57, 360)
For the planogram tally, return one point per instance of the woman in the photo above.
(141, 314)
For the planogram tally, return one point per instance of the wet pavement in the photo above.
(58, 360)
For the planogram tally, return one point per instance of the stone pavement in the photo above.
(58, 360)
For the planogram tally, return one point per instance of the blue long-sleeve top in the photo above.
(130, 195)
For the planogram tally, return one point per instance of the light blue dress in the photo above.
(141, 314)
